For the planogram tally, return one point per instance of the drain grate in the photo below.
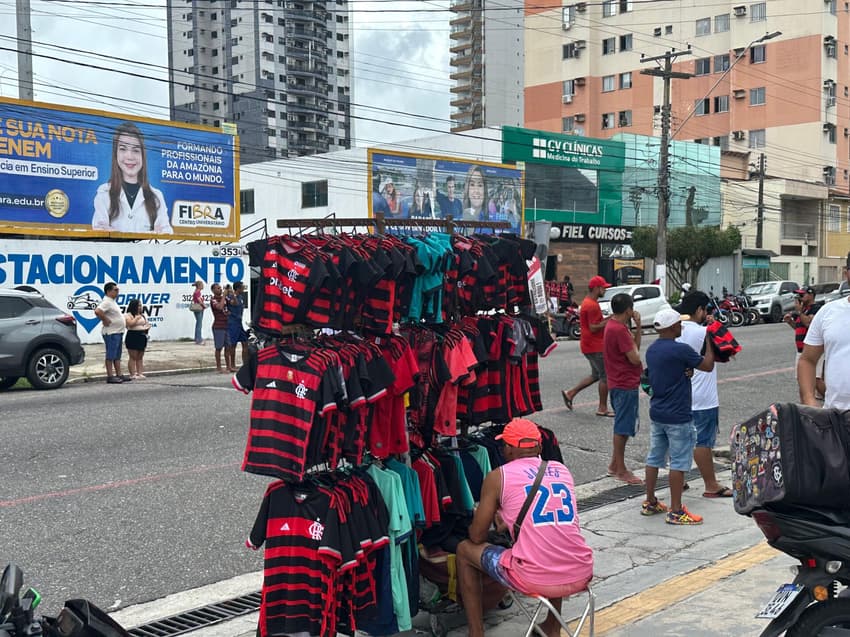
(212, 614)
(192, 620)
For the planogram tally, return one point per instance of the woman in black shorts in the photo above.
(136, 339)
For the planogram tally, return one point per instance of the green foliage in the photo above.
(688, 248)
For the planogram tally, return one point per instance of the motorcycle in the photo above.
(751, 314)
(79, 618)
(568, 323)
(817, 602)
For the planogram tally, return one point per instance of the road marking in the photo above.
(653, 600)
(115, 485)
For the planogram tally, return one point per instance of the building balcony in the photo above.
(312, 91)
(316, 35)
(460, 21)
(296, 15)
(798, 232)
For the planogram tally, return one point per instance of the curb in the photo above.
(151, 374)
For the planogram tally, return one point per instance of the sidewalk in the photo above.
(161, 357)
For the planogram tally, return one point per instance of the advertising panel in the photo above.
(81, 173)
(405, 186)
(71, 275)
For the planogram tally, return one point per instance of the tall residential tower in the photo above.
(278, 69)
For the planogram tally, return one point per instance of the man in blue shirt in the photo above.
(672, 431)
(447, 203)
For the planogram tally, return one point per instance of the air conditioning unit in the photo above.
(567, 99)
(566, 26)
(580, 117)
(739, 93)
(581, 7)
(830, 50)
(738, 135)
(656, 31)
(828, 127)
(830, 102)
(740, 11)
(580, 81)
(828, 83)
(847, 132)
(581, 44)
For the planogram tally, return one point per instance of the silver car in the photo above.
(37, 340)
(773, 298)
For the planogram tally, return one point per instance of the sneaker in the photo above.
(114, 380)
(126, 378)
(683, 517)
(651, 508)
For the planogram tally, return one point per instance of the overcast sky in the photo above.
(400, 61)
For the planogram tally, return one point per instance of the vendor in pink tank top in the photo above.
(550, 556)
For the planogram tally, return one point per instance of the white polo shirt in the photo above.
(831, 329)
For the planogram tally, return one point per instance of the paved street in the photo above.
(125, 494)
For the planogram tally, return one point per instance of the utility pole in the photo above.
(25, 90)
(760, 209)
(667, 73)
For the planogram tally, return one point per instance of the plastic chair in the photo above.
(587, 614)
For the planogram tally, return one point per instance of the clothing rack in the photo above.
(381, 223)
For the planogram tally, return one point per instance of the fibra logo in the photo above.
(85, 299)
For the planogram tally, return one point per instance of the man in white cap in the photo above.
(672, 430)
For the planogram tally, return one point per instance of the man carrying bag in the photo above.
(536, 499)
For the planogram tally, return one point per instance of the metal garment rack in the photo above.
(380, 224)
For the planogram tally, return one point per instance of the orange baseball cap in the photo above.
(598, 282)
(521, 433)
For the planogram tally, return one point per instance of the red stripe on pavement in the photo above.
(114, 485)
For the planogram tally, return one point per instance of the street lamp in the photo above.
(764, 38)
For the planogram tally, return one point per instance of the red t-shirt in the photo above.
(618, 341)
(590, 314)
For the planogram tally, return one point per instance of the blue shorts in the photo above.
(113, 346)
(490, 564)
(236, 334)
(707, 423)
(678, 440)
(221, 338)
(626, 403)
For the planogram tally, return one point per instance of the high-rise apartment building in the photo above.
(785, 97)
(487, 60)
(278, 69)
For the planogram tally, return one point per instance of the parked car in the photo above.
(836, 294)
(822, 290)
(649, 300)
(773, 298)
(37, 340)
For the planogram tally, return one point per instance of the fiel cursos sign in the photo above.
(540, 147)
(71, 275)
(587, 232)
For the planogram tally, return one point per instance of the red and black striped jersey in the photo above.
(543, 346)
(801, 330)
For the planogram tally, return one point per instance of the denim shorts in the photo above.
(113, 346)
(707, 423)
(235, 334)
(678, 440)
(626, 403)
(490, 564)
(221, 338)
(597, 366)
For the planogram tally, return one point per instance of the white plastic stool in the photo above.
(543, 604)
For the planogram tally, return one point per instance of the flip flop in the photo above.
(567, 400)
(630, 479)
(607, 414)
(723, 492)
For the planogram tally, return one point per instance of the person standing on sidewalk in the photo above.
(198, 306)
(113, 332)
(828, 335)
(136, 339)
(705, 403)
(672, 429)
(799, 320)
(235, 332)
(218, 305)
(623, 366)
(591, 342)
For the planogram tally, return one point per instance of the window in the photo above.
(833, 218)
(758, 12)
(832, 6)
(246, 202)
(721, 63)
(757, 96)
(609, 8)
(830, 134)
(721, 23)
(608, 83)
(568, 16)
(625, 6)
(608, 120)
(626, 80)
(756, 138)
(703, 26)
(624, 118)
(647, 293)
(11, 307)
(702, 106)
(569, 87)
(829, 175)
(569, 51)
(626, 42)
(668, 29)
(314, 194)
(702, 66)
(723, 142)
(568, 124)
(609, 45)
(721, 104)
(758, 54)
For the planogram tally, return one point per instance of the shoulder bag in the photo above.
(503, 538)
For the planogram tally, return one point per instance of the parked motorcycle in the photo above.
(733, 309)
(79, 618)
(568, 323)
(817, 602)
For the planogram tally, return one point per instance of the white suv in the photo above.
(649, 300)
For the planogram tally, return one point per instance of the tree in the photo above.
(688, 248)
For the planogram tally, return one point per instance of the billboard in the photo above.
(81, 173)
(406, 186)
(71, 274)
